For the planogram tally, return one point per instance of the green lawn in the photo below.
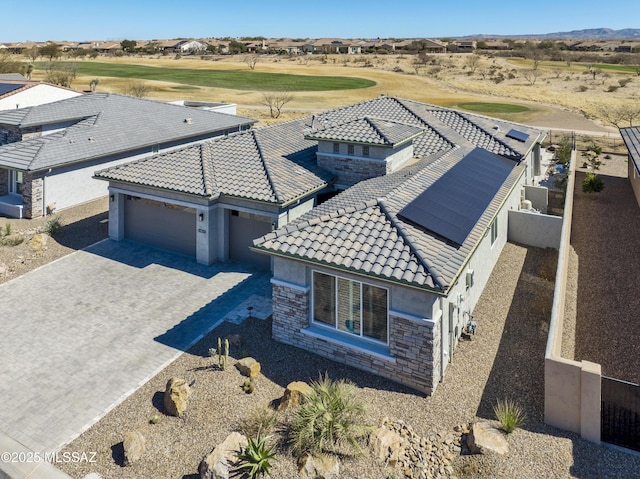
(487, 108)
(232, 79)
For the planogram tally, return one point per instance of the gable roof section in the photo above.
(270, 165)
(631, 137)
(108, 124)
(369, 131)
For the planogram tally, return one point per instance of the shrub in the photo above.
(583, 88)
(624, 81)
(249, 386)
(612, 88)
(330, 418)
(510, 415)
(53, 226)
(256, 458)
(592, 183)
(261, 419)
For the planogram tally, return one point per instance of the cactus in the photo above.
(226, 353)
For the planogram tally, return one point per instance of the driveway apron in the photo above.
(80, 334)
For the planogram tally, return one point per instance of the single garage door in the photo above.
(243, 229)
(161, 225)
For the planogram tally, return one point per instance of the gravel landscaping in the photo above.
(83, 225)
(504, 360)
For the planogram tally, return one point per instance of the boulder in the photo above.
(38, 242)
(483, 438)
(248, 367)
(134, 445)
(318, 467)
(222, 460)
(385, 445)
(176, 396)
(294, 395)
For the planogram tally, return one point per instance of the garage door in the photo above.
(243, 229)
(161, 225)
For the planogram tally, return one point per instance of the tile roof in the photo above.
(270, 165)
(106, 124)
(367, 235)
(367, 130)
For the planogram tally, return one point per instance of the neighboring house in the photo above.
(385, 275)
(54, 149)
(22, 93)
(631, 137)
(190, 46)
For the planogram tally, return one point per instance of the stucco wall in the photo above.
(535, 229)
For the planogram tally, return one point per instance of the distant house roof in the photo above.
(102, 124)
(631, 137)
(12, 77)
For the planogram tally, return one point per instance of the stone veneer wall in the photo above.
(351, 170)
(18, 134)
(414, 344)
(4, 182)
(32, 193)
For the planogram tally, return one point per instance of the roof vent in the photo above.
(91, 139)
(188, 121)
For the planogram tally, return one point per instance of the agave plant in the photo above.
(331, 418)
(257, 457)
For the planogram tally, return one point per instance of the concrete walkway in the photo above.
(82, 333)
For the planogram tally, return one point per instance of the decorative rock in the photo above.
(483, 438)
(385, 445)
(223, 458)
(294, 395)
(318, 467)
(38, 242)
(134, 446)
(248, 367)
(176, 396)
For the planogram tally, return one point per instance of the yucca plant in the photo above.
(331, 418)
(510, 415)
(257, 457)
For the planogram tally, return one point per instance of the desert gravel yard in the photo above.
(603, 304)
(504, 360)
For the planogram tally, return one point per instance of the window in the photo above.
(336, 147)
(350, 150)
(365, 150)
(15, 182)
(350, 306)
(494, 231)
(155, 149)
(4, 137)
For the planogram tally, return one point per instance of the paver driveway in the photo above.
(81, 333)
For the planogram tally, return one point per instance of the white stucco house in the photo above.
(381, 222)
(18, 92)
(49, 152)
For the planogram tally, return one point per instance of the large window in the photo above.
(350, 306)
(15, 182)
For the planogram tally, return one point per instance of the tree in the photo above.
(137, 88)
(275, 100)
(621, 115)
(531, 75)
(32, 53)
(60, 73)
(93, 84)
(212, 49)
(51, 51)
(251, 60)
(8, 64)
(237, 47)
(472, 61)
(128, 46)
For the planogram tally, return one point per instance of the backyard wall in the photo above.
(535, 229)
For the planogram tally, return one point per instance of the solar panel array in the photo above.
(518, 135)
(8, 87)
(453, 205)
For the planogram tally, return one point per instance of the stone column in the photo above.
(32, 194)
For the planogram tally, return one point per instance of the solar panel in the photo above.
(453, 205)
(8, 87)
(518, 135)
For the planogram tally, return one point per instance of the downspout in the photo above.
(442, 338)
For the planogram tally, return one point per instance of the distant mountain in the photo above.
(590, 33)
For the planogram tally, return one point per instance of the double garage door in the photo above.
(161, 225)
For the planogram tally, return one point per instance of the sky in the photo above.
(75, 20)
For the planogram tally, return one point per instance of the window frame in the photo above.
(351, 150)
(16, 177)
(365, 151)
(494, 231)
(336, 147)
(359, 336)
